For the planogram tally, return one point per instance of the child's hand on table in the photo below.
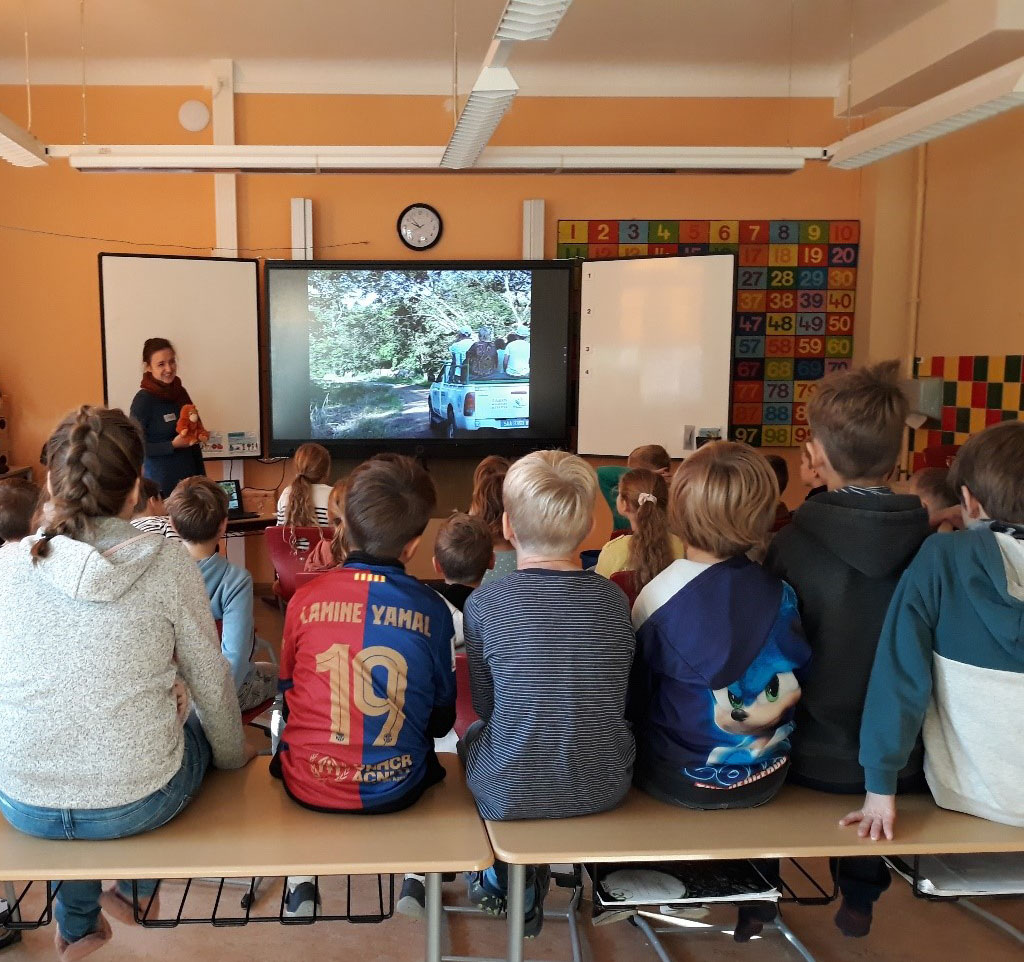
(876, 817)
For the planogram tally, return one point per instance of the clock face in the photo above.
(419, 226)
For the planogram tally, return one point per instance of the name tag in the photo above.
(170, 417)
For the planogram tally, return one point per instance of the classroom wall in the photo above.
(972, 281)
(50, 345)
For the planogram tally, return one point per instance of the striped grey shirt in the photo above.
(549, 660)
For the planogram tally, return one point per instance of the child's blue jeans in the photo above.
(77, 905)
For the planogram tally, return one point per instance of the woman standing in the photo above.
(169, 456)
(92, 743)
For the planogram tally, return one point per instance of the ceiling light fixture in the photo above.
(254, 158)
(531, 19)
(978, 99)
(488, 102)
(18, 146)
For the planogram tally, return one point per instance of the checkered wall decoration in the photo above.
(977, 391)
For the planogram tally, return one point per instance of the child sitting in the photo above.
(198, 509)
(151, 512)
(932, 486)
(844, 554)
(719, 650)
(330, 552)
(462, 556)
(487, 505)
(651, 457)
(549, 650)
(303, 504)
(367, 618)
(633, 560)
(951, 655)
(19, 498)
(783, 515)
(809, 477)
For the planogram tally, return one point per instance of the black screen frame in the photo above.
(459, 448)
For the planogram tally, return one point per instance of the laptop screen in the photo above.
(231, 489)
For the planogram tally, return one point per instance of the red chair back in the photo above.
(288, 549)
(626, 580)
(464, 713)
(939, 455)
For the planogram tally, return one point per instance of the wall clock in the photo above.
(419, 227)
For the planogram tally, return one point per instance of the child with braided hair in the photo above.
(92, 745)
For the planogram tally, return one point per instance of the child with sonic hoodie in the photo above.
(719, 649)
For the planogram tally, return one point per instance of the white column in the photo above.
(302, 229)
(225, 209)
(533, 230)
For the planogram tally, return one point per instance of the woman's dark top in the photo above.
(165, 464)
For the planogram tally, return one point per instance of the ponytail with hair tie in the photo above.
(650, 548)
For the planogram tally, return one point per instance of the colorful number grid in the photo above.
(794, 307)
(977, 391)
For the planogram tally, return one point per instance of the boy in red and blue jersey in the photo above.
(367, 662)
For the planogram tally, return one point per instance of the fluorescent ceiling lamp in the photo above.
(647, 159)
(488, 102)
(253, 158)
(531, 19)
(978, 99)
(245, 158)
(18, 146)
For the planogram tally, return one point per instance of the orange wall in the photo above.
(50, 347)
(972, 283)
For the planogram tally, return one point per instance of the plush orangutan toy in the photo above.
(191, 426)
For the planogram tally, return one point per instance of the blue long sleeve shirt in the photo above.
(230, 591)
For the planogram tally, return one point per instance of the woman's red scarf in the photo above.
(173, 392)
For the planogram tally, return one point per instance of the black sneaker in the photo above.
(483, 896)
(412, 903)
(300, 901)
(533, 918)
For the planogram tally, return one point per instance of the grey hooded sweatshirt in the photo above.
(90, 640)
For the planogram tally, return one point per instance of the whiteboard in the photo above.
(655, 352)
(207, 308)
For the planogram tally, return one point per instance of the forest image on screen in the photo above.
(418, 353)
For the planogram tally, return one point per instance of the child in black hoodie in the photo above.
(844, 554)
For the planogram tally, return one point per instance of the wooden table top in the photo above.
(798, 823)
(243, 824)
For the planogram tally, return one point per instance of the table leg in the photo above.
(11, 896)
(644, 926)
(516, 900)
(790, 936)
(434, 913)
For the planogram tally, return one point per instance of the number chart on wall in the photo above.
(794, 305)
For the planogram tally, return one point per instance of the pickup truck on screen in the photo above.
(498, 401)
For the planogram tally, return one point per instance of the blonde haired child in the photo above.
(549, 649)
(719, 648)
(303, 504)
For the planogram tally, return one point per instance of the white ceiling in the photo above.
(603, 47)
